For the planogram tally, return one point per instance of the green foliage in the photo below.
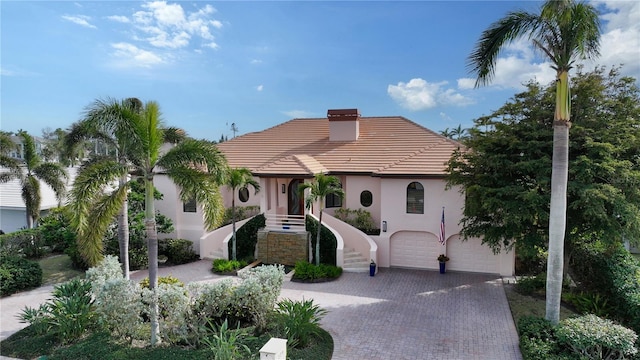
(300, 320)
(242, 212)
(226, 344)
(359, 218)
(531, 284)
(17, 274)
(178, 251)
(588, 303)
(247, 238)
(538, 339)
(119, 307)
(162, 280)
(55, 229)
(226, 266)
(615, 274)
(328, 242)
(308, 271)
(506, 172)
(67, 315)
(597, 338)
(27, 243)
(108, 269)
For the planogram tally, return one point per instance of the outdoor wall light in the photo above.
(384, 226)
(283, 188)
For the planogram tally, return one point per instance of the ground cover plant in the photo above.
(221, 319)
(307, 272)
(224, 266)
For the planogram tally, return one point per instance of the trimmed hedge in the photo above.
(614, 273)
(247, 238)
(328, 242)
(17, 274)
(178, 251)
(308, 272)
(27, 243)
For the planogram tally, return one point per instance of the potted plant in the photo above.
(372, 268)
(442, 259)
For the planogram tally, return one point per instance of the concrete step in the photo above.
(216, 254)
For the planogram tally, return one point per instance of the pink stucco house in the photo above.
(389, 166)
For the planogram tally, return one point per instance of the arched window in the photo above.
(415, 198)
(243, 194)
(366, 198)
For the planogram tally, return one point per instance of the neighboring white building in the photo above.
(389, 166)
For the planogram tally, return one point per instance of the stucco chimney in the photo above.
(343, 124)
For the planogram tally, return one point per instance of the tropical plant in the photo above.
(225, 343)
(563, 31)
(238, 178)
(29, 173)
(322, 186)
(301, 320)
(196, 166)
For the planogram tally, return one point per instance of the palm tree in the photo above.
(196, 166)
(322, 186)
(238, 178)
(30, 173)
(563, 31)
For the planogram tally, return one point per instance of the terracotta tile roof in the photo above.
(387, 146)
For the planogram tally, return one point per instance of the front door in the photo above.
(295, 201)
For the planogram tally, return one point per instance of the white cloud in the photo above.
(297, 114)
(418, 94)
(131, 56)
(168, 26)
(119, 18)
(445, 117)
(620, 41)
(259, 87)
(81, 20)
(256, 61)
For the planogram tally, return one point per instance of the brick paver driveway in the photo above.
(413, 314)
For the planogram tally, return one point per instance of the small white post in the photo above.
(274, 349)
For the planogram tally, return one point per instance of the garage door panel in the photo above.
(414, 249)
(471, 255)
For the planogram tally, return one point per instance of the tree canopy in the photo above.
(506, 171)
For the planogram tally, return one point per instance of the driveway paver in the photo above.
(397, 314)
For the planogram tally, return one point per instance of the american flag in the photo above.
(442, 236)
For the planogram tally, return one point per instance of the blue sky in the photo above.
(257, 64)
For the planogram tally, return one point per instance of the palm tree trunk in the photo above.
(233, 221)
(152, 244)
(318, 239)
(558, 206)
(29, 220)
(123, 233)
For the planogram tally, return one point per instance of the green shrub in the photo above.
(613, 273)
(328, 242)
(247, 238)
(56, 231)
(308, 271)
(162, 280)
(588, 303)
(597, 338)
(226, 344)
(538, 339)
(227, 266)
(67, 315)
(300, 320)
(530, 285)
(242, 212)
(27, 243)
(178, 251)
(17, 274)
(119, 307)
(360, 219)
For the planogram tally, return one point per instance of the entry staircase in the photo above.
(354, 261)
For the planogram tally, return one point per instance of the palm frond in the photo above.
(153, 135)
(31, 196)
(6, 143)
(30, 155)
(12, 169)
(102, 213)
(54, 175)
(483, 59)
(174, 135)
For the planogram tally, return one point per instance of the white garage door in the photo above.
(415, 249)
(471, 255)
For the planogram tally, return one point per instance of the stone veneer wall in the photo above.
(284, 248)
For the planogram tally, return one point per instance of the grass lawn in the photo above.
(523, 305)
(57, 269)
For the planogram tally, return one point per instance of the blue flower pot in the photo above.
(442, 264)
(372, 269)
